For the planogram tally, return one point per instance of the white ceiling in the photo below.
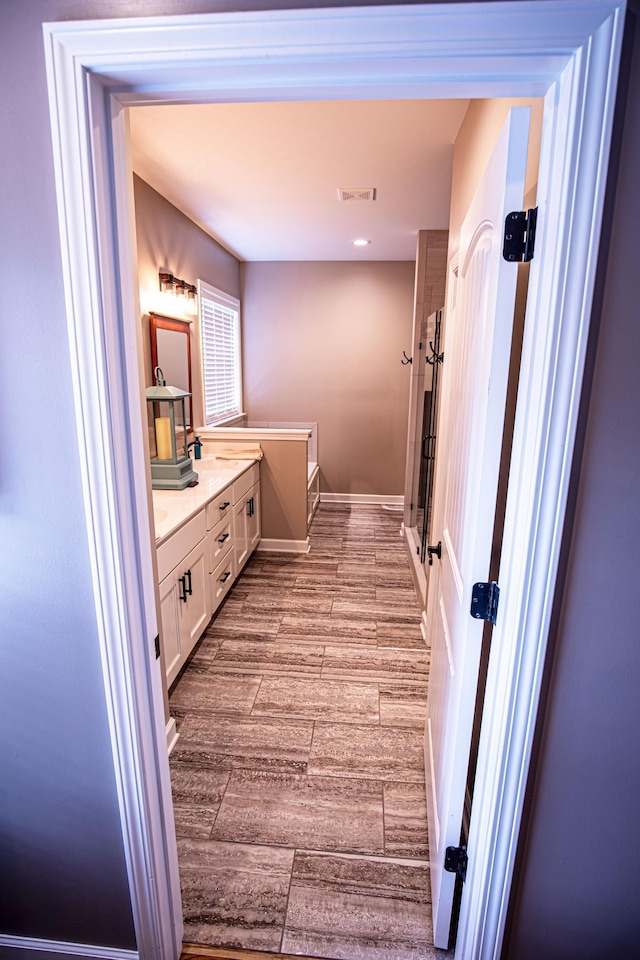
(262, 178)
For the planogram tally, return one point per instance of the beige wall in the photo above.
(283, 490)
(283, 482)
(168, 240)
(323, 342)
(473, 147)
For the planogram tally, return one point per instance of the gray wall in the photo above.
(62, 871)
(578, 893)
(319, 339)
(322, 341)
(167, 240)
(61, 862)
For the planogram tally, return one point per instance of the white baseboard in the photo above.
(172, 735)
(86, 950)
(396, 500)
(418, 572)
(283, 546)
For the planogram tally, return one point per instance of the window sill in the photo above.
(226, 422)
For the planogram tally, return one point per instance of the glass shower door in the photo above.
(424, 492)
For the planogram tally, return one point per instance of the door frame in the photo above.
(566, 51)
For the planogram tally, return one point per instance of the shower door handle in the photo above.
(425, 455)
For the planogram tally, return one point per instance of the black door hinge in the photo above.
(484, 601)
(156, 643)
(456, 860)
(520, 235)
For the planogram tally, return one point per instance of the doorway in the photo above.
(324, 633)
(216, 660)
(97, 253)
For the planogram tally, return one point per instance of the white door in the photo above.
(475, 370)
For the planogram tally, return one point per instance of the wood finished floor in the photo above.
(298, 776)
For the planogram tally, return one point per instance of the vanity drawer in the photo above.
(222, 580)
(220, 507)
(174, 550)
(220, 540)
(244, 483)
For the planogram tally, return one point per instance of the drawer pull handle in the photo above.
(182, 589)
(224, 506)
(225, 536)
(226, 577)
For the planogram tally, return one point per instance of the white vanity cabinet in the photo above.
(185, 603)
(199, 560)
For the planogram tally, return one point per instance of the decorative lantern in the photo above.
(171, 467)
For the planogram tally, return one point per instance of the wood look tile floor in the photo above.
(298, 776)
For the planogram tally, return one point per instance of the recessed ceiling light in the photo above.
(360, 243)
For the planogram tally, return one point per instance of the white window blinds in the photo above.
(220, 334)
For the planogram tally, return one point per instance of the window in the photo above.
(221, 350)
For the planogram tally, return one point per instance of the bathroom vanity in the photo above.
(204, 537)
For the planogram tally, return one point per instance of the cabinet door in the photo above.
(220, 540)
(247, 525)
(196, 612)
(241, 532)
(222, 579)
(170, 622)
(313, 495)
(253, 518)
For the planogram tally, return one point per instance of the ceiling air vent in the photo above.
(356, 193)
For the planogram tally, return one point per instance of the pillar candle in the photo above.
(163, 438)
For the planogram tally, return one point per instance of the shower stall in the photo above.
(426, 435)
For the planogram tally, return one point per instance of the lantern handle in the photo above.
(159, 375)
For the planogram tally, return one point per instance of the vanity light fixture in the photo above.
(360, 243)
(191, 305)
(166, 282)
(187, 293)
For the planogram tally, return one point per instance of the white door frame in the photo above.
(564, 50)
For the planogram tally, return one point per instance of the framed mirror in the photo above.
(171, 350)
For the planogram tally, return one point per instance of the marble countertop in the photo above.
(172, 508)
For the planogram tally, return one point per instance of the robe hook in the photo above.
(435, 357)
(406, 359)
